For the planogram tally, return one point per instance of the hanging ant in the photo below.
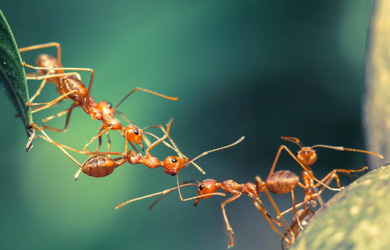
(70, 87)
(210, 187)
(100, 164)
(282, 182)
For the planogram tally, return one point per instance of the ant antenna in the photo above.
(213, 150)
(147, 91)
(293, 140)
(168, 191)
(164, 195)
(348, 149)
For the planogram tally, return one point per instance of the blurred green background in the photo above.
(262, 69)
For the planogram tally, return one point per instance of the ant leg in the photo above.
(329, 178)
(267, 217)
(295, 209)
(260, 187)
(108, 142)
(78, 151)
(333, 175)
(278, 155)
(278, 213)
(100, 141)
(62, 146)
(291, 209)
(76, 176)
(50, 76)
(38, 92)
(69, 111)
(51, 103)
(47, 138)
(42, 46)
(95, 137)
(228, 227)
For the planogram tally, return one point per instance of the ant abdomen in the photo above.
(47, 61)
(282, 182)
(71, 83)
(99, 166)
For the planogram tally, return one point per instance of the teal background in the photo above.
(262, 69)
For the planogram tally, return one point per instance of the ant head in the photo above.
(208, 186)
(96, 114)
(307, 156)
(173, 164)
(133, 134)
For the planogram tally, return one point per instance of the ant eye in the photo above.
(109, 105)
(201, 186)
(173, 174)
(174, 160)
(136, 131)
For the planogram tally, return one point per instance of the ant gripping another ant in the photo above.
(70, 87)
(101, 164)
(210, 187)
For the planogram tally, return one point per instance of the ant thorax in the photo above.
(47, 61)
(250, 189)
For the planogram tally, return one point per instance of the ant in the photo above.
(209, 187)
(101, 164)
(285, 181)
(71, 87)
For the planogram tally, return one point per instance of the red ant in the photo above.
(210, 187)
(282, 182)
(100, 164)
(70, 87)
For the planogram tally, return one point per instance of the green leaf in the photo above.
(356, 218)
(12, 75)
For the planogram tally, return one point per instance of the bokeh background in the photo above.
(262, 69)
